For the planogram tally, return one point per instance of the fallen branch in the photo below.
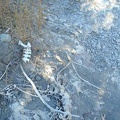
(87, 82)
(40, 97)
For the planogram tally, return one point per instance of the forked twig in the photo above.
(87, 82)
(40, 97)
(62, 70)
(79, 64)
(103, 116)
(5, 70)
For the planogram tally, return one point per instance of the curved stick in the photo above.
(40, 97)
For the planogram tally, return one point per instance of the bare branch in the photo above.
(87, 82)
(40, 97)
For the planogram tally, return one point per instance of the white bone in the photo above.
(25, 59)
(26, 51)
(26, 56)
(22, 44)
(28, 45)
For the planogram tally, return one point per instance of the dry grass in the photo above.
(23, 17)
(6, 17)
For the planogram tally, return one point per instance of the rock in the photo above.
(6, 49)
(5, 38)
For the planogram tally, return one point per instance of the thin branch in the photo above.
(26, 92)
(103, 116)
(79, 64)
(5, 70)
(7, 30)
(17, 74)
(87, 82)
(40, 97)
(72, 61)
(62, 70)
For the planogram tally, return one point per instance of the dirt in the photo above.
(86, 32)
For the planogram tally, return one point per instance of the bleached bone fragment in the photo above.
(26, 51)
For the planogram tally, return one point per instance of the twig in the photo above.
(5, 70)
(40, 97)
(79, 64)
(62, 70)
(7, 30)
(26, 92)
(87, 82)
(17, 74)
(72, 61)
(103, 116)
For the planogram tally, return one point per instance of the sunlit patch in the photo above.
(59, 59)
(22, 102)
(108, 22)
(17, 114)
(100, 5)
(101, 92)
(48, 71)
(100, 12)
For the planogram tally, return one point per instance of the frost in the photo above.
(48, 71)
(16, 112)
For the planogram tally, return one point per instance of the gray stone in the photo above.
(38, 77)
(6, 49)
(5, 38)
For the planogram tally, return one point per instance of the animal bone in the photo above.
(26, 51)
